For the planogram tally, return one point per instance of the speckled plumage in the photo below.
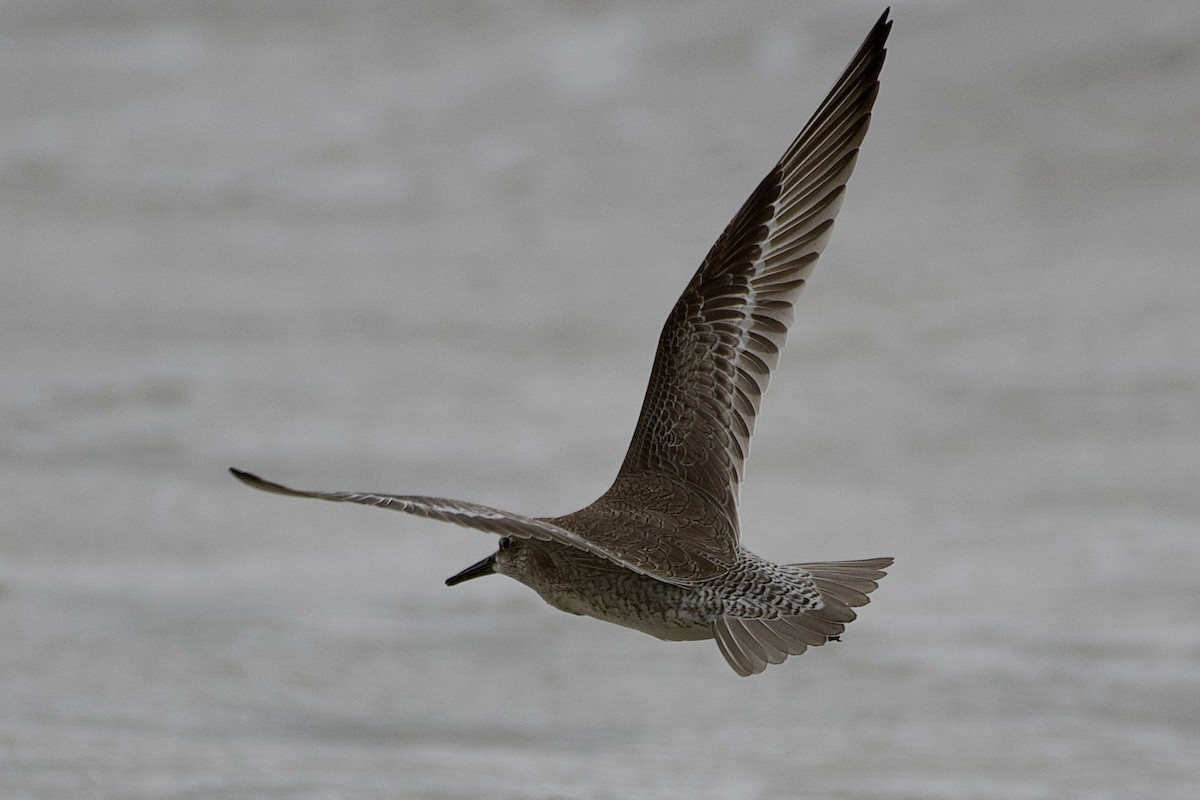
(660, 551)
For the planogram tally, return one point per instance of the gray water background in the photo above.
(426, 247)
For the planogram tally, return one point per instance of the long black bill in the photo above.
(476, 570)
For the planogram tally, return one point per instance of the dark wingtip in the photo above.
(879, 31)
(255, 482)
(883, 25)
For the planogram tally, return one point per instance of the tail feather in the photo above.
(806, 631)
(861, 584)
(732, 643)
(749, 644)
(869, 568)
(811, 622)
(843, 593)
(789, 639)
(753, 638)
(773, 647)
(847, 581)
(833, 608)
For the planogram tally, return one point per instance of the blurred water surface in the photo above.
(427, 247)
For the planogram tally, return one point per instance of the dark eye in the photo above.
(505, 543)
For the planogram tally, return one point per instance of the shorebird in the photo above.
(660, 551)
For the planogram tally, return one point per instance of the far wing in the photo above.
(468, 515)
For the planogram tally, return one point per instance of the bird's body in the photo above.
(660, 551)
(753, 589)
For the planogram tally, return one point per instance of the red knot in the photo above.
(661, 551)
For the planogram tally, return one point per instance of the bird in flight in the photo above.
(660, 551)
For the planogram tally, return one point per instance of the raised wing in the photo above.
(672, 511)
(468, 515)
(723, 337)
